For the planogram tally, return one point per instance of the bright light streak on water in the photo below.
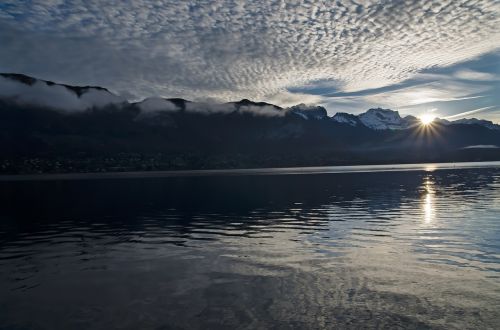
(429, 211)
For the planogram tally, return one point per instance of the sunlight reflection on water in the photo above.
(428, 205)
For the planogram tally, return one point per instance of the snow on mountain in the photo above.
(347, 118)
(468, 121)
(475, 121)
(380, 119)
(309, 112)
(27, 90)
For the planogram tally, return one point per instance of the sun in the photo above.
(427, 118)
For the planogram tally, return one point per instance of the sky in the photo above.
(439, 57)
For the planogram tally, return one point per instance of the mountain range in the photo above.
(50, 127)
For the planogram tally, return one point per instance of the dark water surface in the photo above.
(416, 249)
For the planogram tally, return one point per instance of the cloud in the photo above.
(210, 107)
(241, 49)
(442, 91)
(474, 75)
(287, 99)
(470, 112)
(55, 96)
(482, 146)
(156, 104)
(227, 108)
(457, 90)
(262, 111)
(62, 98)
(423, 95)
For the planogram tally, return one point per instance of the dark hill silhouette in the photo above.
(123, 136)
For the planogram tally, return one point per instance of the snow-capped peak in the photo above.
(468, 121)
(346, 118)
(475, 121)
(378, 119)
(382, 119)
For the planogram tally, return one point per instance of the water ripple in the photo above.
(412, 249)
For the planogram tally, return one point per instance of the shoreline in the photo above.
(426, 167)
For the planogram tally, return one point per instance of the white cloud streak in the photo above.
(442, 91)
(468, 113)
(474, 75)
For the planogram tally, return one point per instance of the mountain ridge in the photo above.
(52, 129)
(374, 118)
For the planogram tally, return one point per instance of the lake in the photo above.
(400, 246)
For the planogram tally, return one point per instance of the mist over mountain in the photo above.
(50, 127)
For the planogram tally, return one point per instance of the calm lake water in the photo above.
(389, 249)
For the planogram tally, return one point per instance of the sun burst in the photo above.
(427, 118)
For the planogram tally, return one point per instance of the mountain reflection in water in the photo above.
(353, 250)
